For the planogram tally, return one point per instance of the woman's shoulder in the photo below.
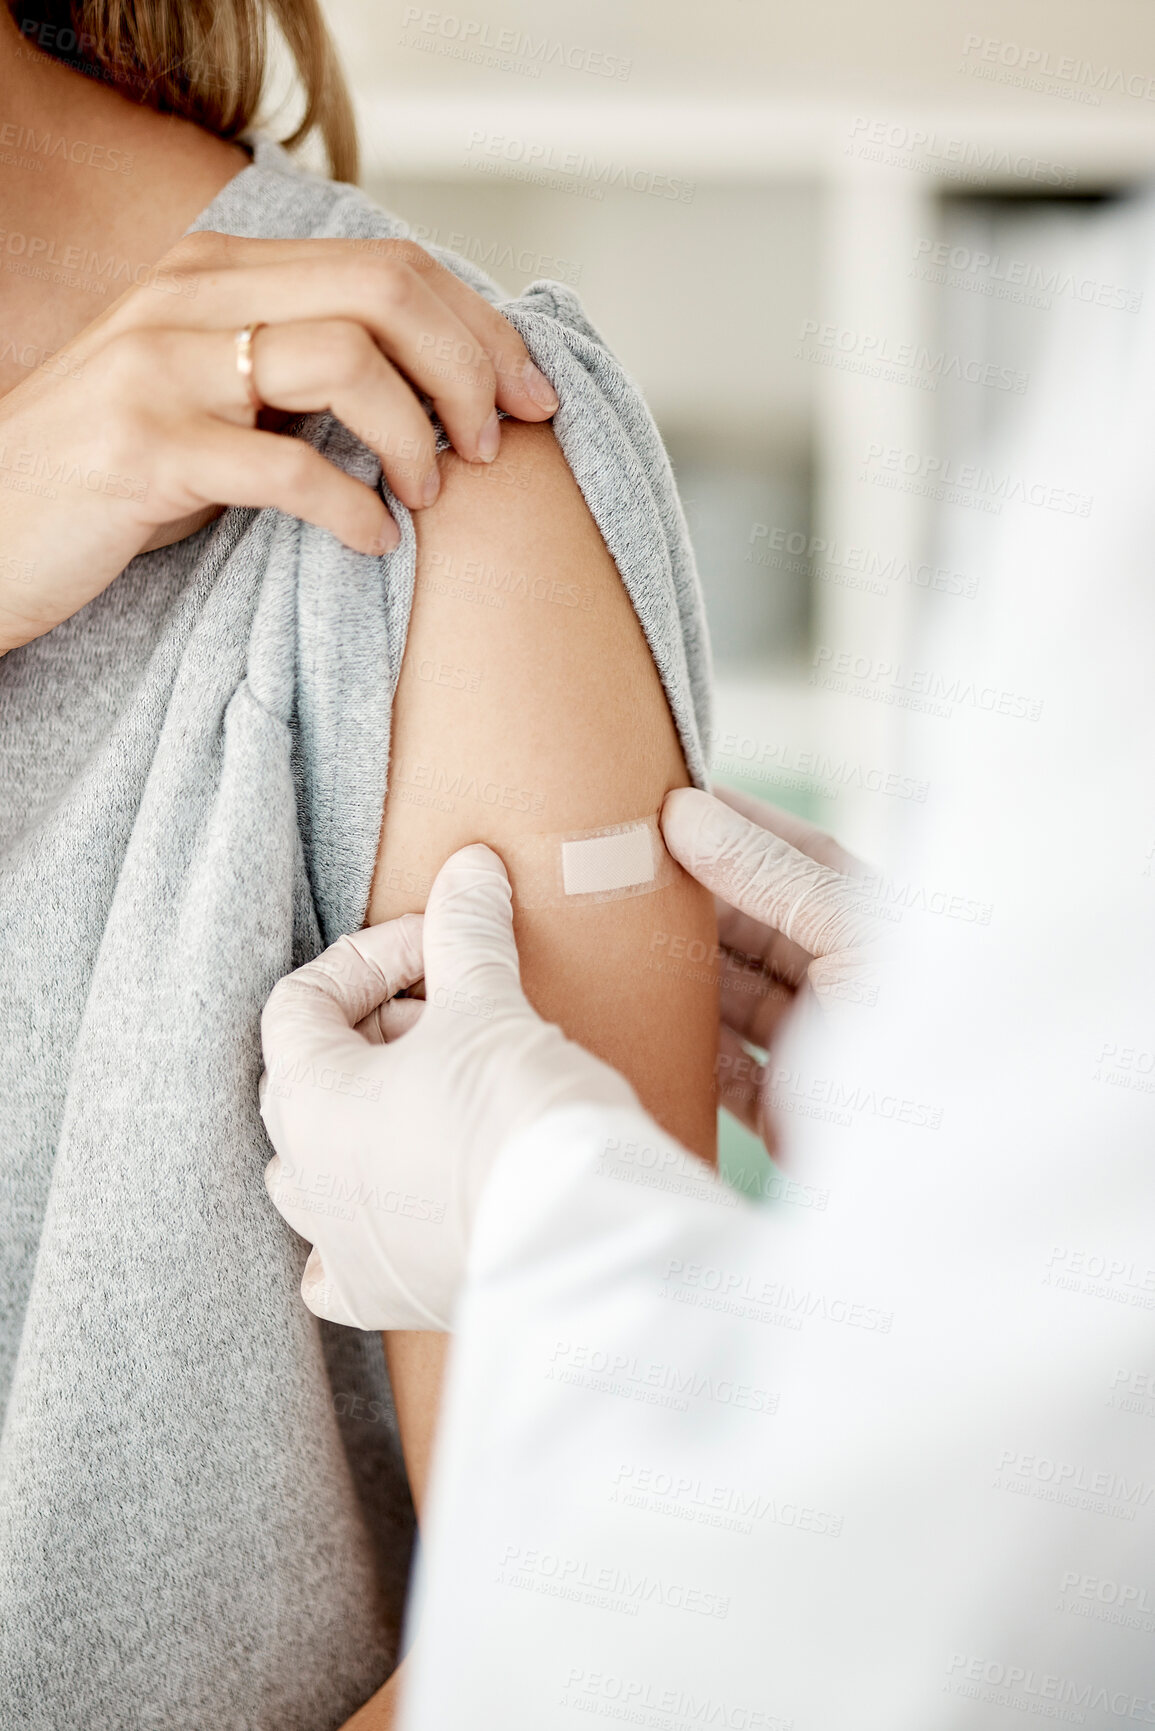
(277, 198)
(604, 431)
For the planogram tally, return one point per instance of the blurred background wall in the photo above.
(828, 242)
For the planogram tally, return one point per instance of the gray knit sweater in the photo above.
(204, 1519)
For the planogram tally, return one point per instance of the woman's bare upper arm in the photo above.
(529, 704)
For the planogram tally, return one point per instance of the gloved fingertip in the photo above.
(469, 929)
(410, 929)
(313, 1280)
(319, 1295)
(398, 1017)
(695, 825)
(480, 857)
(392, 950)
(473, 871)
(679, 804)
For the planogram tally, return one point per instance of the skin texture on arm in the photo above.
(529, 704)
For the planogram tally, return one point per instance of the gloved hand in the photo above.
(386, 1113)
(791, 911)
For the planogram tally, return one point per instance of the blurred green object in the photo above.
(742, 1161)
(802, 801)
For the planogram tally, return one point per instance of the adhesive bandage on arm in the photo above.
(588, 866)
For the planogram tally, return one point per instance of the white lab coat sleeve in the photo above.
(589, 1176)
(884, 1462)
(571, 1365)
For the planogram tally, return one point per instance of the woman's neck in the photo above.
(93, 188)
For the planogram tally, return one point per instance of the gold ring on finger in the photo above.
(244, 353)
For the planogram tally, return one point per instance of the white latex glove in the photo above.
(792, 911)
(387, 1115)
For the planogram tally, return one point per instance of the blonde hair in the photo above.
(205, 60)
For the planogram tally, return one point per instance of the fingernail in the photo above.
(431, 486)
(490, 440)
(388, 539)
(538, 387)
